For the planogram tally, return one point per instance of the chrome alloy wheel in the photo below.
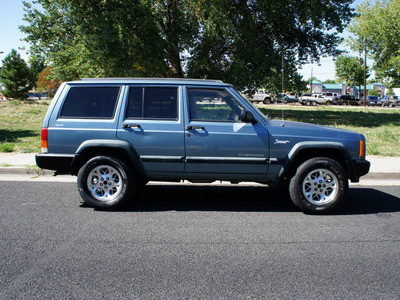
(104, 183)
(320, 186)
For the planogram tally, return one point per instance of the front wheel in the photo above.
(105, 182)
(319, 185)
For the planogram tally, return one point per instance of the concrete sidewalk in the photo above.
(23, 163)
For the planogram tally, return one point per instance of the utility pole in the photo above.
(283, 78)
(365, 74)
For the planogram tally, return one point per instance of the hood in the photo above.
(312, 131)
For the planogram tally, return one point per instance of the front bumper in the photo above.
(357, 168)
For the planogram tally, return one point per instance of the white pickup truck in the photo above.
(260, 96)
(313, 99)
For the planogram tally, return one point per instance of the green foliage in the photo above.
(330, 81)
(15, 76)
(241, 42)
(373, 92)
(36, 66)
(350, 69)
(390, 92)
(377, 28)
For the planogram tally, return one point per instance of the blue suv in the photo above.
(118, 134)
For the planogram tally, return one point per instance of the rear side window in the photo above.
(152, 103)
(90, 102)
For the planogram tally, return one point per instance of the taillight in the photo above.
(362, 149)
(44, 140)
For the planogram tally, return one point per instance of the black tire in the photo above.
(308, 103)
(106, 182)
(319, 185)
(267, 101)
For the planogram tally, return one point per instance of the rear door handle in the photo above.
(131, 126)
(190, 127)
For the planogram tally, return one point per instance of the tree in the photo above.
(390, 92)
(15, 76)
(36, 66)
(46, 83)
(241, 42)
(330, 81)
(350, 70)
(373, 92)
(376, 29)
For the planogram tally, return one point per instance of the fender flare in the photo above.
(131, 152)
(310, 145)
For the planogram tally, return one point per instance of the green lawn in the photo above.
(21, 122)
(20, 125)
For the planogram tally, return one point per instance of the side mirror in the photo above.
(247, 117)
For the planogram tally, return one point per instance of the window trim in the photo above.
(143, 87)
(210, 88)
(60, 116)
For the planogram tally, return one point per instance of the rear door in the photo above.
(216, 140)
(151, 122)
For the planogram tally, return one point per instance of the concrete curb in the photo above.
(25, 171)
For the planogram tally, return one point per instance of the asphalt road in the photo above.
(197, 242)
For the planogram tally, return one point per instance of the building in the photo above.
(342, 89)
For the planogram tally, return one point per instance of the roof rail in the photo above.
(150, 78)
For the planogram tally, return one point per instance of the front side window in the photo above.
(213, 105)
(90, 102)
(152, 103)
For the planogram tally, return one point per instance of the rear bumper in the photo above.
(56, 162)
(357, 168)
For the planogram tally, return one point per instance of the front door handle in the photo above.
(190, 127)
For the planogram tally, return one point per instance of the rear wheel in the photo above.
(267, 101)
(105, 182)
(319, 185)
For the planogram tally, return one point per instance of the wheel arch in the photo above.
(117, 148)
(304, 151)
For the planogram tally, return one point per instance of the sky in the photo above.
(12, 11)
(11, 14)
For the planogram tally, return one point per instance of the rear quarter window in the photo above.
(90, 102)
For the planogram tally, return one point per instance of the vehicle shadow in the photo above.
(242, 198)
(362, 200)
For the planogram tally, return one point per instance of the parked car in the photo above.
(331, 97)
(348, 100)
(285, 98)
(373, 101)
(390, 101)
(260, 96)
(313, 99)
(292, 98)
(118, 134)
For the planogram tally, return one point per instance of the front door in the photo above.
(217, 141)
